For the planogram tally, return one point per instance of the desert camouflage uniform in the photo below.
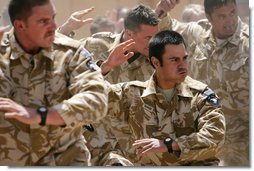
(225, 68)
(57, 77)
(194, 122)
(102, 141)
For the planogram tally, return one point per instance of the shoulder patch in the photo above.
(211, 97)
(89, 62)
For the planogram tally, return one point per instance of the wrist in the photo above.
(64, 30)
(105, 67)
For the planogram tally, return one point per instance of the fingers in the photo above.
(6, 105)
(87, 21)
(127, 45)
(168, 5)
(9, 115)
(146, 149)
(82, 13)
(3, 29)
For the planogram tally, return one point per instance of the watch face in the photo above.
(167, 139)
(43, 109)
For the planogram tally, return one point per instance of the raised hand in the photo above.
(76, 21)
(118, 56)
(164, 6)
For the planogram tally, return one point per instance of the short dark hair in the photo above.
(209, 5)
(138, 16)
(22, 9)
(160, 40)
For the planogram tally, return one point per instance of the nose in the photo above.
(54, 25)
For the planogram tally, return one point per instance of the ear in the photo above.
(155, 62)
(208, 17)
(19, 25)
(128, 33)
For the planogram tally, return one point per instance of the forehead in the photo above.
(175, 50)
(224, 9)
(148, 30)
(47, 9)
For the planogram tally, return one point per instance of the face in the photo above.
(174, 67)
(142, 38)
(39, 29)
(224, 20)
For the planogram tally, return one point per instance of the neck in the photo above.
(25, 45)
(163, 83)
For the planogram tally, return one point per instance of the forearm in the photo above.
(210, 136)
(105, 68)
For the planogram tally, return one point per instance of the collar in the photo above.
(17, 51)
(117, 41)
(182, 89)
(234, 39)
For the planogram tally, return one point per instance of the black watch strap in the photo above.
(168, 142)
(43, 111)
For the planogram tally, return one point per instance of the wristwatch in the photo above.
(168, 142)
(43, 111)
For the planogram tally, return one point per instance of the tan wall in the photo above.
(66, 7)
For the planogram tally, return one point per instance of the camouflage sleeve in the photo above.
(98, 47)
(190, 31)
(113, 158)
(204, 144)
(89, 100)
(211, 131)
(117, 102)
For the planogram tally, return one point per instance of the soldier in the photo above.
(49, 88)
(219, 48)
(110, 52)
(174, 119)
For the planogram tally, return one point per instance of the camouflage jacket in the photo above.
(107, 145)
(191, 119)
(60, 77)
(225, 68)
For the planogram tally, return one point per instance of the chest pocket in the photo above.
(184, 119)
(197, 61)
(56, 83)
(233, 69)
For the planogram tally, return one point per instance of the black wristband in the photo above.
(43, 111)
(168, 142)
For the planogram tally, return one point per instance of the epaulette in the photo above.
(103, 35)
(246, 30)
(211, 97)
(89, 61)
(138, 84)
(63, 40)
(195, 84)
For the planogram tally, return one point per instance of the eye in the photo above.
(174, 59)
(44, 21)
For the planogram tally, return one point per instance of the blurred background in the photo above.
(109, 8)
